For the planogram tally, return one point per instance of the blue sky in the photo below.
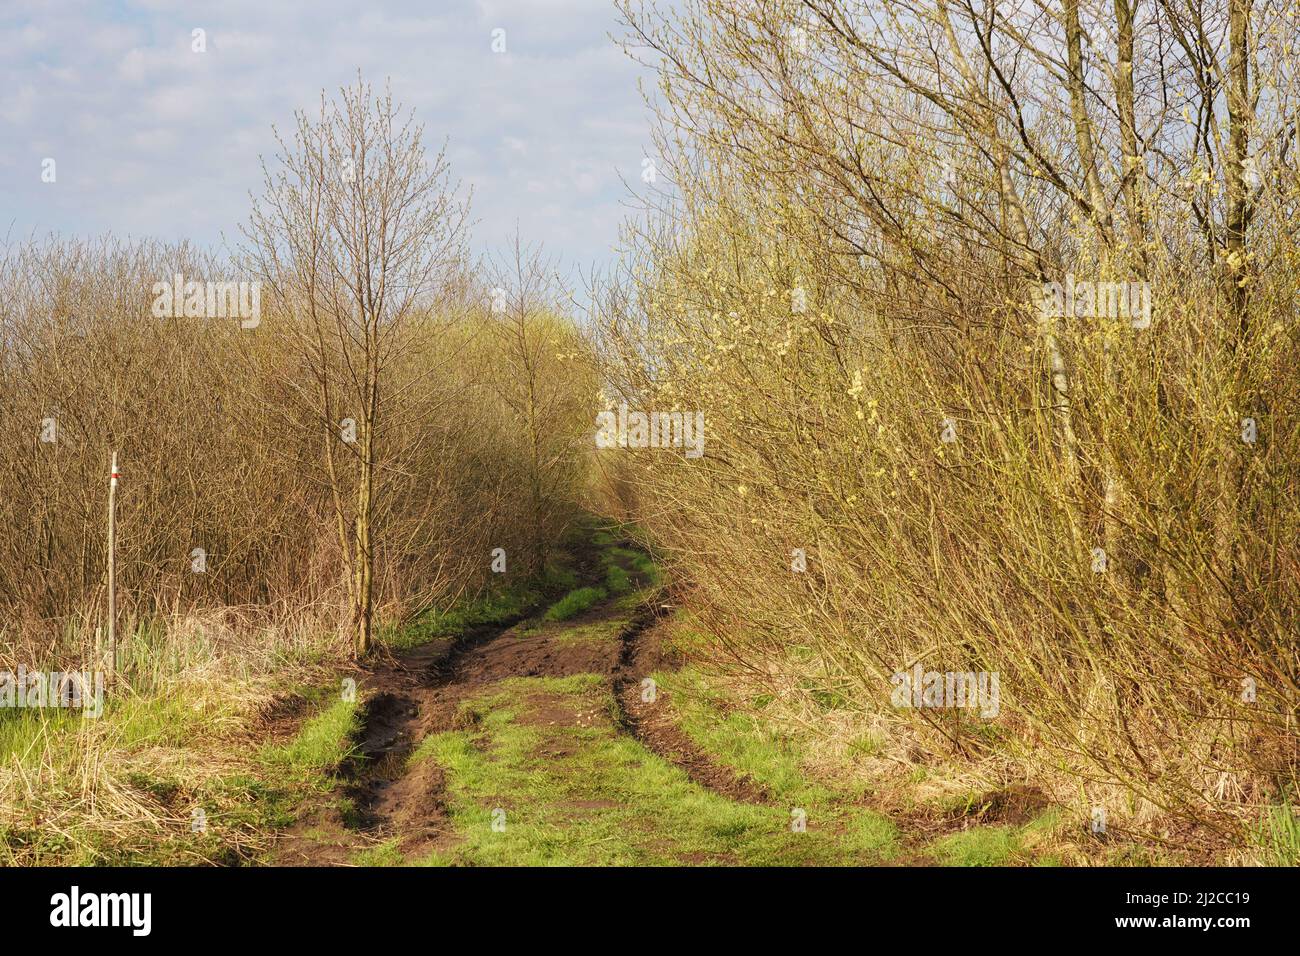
(153, 139)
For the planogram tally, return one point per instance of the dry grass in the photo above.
(182, 730)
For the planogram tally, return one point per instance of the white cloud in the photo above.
(17, 107)
(158, 140)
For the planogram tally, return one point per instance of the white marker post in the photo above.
(112, 569)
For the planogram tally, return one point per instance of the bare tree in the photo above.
(353, 236)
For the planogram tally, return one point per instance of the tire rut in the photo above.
(643, 712)
(415, 693)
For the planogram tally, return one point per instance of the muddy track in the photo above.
(412, 695)
(409, 695)
(643, 711)
(415, 693)
(418, 692)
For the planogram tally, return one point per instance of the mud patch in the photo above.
(1015, 805)
(535, 654)
(416, 808)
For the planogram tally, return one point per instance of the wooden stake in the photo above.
(112, 570)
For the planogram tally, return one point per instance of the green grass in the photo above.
(574, 603)
(621, 563)
(558, 578)
(979, 846)
(866, 745)
(636, 561)
(495, 608)
(26, 733)
(617, 581)
(323, 743)
(580, 792)
(1278, 837)
(153, 751)
(384, 854)
(132, 721)
(306, 764)
(744, 742)
(63, 752)
(597, 632)
(489, 610)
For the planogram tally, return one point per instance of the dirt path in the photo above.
(551, 742)
(395, 808)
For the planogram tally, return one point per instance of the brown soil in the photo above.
(418, 692)
(1014, 805)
